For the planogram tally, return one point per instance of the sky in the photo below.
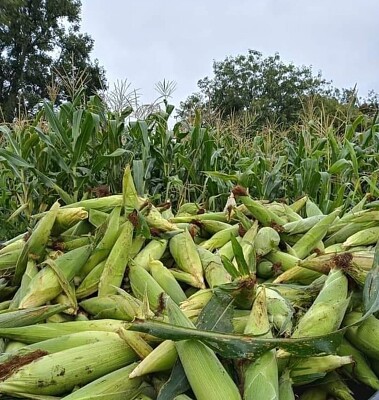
(146, 41)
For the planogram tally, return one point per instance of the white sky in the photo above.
(146, 41)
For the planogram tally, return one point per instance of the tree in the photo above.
(270, 88)
(40, 43)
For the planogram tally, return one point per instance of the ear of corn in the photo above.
(66, 218)
(162, 358)
(303, 225)
(117, 260)
(266, 240)
(285, 386)
(327, 312)
(365, 335)
(214, 271)
(46, 285)
(261, 376)
(136, 342)
(60, 343)
(9, 248)
(152, 251)
(39, 332)
(280, 311)
(336, 387)
(185, 254)
(310, 239)
(142, 282)
(311, 209)
(258, 210)
(90, 283)
(166, 280)
(61, 372)
(361, 369)
(115, 385)
(103, 248)
(219, 239)
(205, 373)
(35, 245)
(364, 237)
(307, 370)
(30, 272)
(112, 306)
(297, 205)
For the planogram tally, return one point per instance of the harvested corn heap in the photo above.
(115, 298)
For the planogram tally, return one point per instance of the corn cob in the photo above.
(361, 369)
(166, 280)
(143, 283)
(30, 272)
(16, 245)
(310, 239)
(327, 312)
(364, 237)
(103, 248)
(46, 285)
(303, 225)
(66, 218)
(348, 230)
(280, 311)
(266, 240)
(219, 239)
(311, 209)
(335, 386)
(35, 245)
(266, 269)
(117, 260)
(297, 274)
(263, 214)
(97, 217)
(210, 226)
(162, 358)
(283, 260)
(186, 278)
(205, 373)
(285, 386)
(115, 385)
(101, 203)
(185, 254)
(214, 271)
(261, 376)
(90, 283)
(227, 249)
(112, 306)
(155, 220)
(197, 301)
(307, 370)
(39, 332)
(61, 372)
(60, 343)
(297, 205)
(154, 250)
(365, 335)
(136, 342)
(213, 216)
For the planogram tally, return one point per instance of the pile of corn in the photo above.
(115, 298)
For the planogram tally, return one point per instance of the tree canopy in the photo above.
(41, 42)
(271, 89)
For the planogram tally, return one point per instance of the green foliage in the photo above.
(267, 90)
(39, 44)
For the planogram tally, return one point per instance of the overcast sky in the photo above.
(146, 41)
